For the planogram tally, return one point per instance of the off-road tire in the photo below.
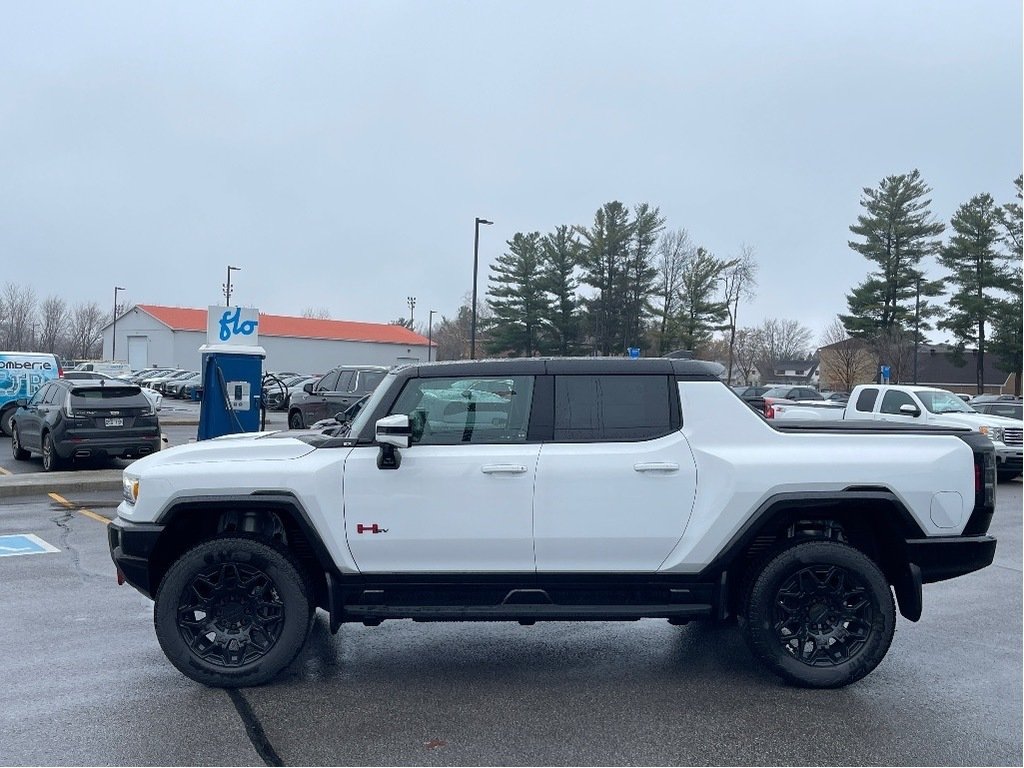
(820, 614)
(239, 577)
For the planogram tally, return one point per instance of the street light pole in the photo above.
(430, 333)
(113, 332)
(227, 285)
(476, 260)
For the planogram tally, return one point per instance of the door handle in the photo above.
(656, 466)
(503, 469)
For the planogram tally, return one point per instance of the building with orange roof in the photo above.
(150, 335)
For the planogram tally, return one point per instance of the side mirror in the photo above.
(308, 387)
(394, 430)
(910, 410)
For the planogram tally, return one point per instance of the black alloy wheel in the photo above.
(295, 420)
(233, 612)
(17, 451)
(820, 614)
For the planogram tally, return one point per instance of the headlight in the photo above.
(129, 488)
(992, 433)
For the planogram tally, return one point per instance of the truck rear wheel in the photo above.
(820, 614)
(232, 612)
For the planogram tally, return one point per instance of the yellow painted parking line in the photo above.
(81, 510)
(4, 471)
(98, 518)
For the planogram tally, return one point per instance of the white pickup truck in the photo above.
(910, 404)
(554, 490)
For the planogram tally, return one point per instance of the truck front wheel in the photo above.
(820, 614)
(232, 612)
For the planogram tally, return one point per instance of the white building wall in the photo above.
(159, 338)
(180, 349)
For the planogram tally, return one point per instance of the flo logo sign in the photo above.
(232, 325)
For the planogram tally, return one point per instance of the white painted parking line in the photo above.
(24, 544)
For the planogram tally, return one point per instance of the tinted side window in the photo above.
(866, 400)
(40, 394)
(612, 408)
(328, 382)
(346, 382)
(368, 380)
(894, 399)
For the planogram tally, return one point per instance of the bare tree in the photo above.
(746, 352)
(738, 282)
(845, 361)
(674, 251)
(86, 319)
(55, 319)
(782, 340)
(316, 313)
(19, 310)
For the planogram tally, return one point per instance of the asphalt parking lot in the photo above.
(86, 682)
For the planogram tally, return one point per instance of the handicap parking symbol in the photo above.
(24, 544)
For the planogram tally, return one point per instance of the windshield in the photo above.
(359, 423)
(943, 402)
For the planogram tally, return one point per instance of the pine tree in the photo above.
(1007, 335)
(640, 274)
(560, 254)
(516, 297)
(898, 231)
(701, 311)
(977, 270)
(603, 258)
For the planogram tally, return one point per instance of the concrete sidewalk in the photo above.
(42, 483)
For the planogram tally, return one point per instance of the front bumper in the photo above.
(946, 557)
(131, 547)
(1009, 457)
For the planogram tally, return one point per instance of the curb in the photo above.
(38, 483)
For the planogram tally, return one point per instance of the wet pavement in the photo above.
(85, 681)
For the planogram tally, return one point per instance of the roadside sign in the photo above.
(885, 371)
(634, 352)
(232, 325)
(24, 544)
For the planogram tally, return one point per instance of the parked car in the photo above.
(909, 404)
(176, 388)
(333, 392)
(1006, 409)
(154, 397)
(166, 385)
(68, 419)
(21, 375)
(601, 489)
(151, 378)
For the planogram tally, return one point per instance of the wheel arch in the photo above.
(276, 518)
(874, 520)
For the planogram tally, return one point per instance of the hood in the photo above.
(975, 420)
(248, 447)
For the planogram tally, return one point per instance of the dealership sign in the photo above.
(237, 326)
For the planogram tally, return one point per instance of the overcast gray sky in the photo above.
(339, 152)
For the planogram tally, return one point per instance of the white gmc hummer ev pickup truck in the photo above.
(554, 490)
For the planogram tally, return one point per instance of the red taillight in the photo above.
(60, 372)
(769, 409)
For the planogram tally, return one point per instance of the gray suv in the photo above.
(335, 391)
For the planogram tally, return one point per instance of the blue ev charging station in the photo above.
(232, 372)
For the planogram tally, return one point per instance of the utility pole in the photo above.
(226, 287)
(113, 331)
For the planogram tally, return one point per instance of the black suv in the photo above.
(68, 420)
(335, 391)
